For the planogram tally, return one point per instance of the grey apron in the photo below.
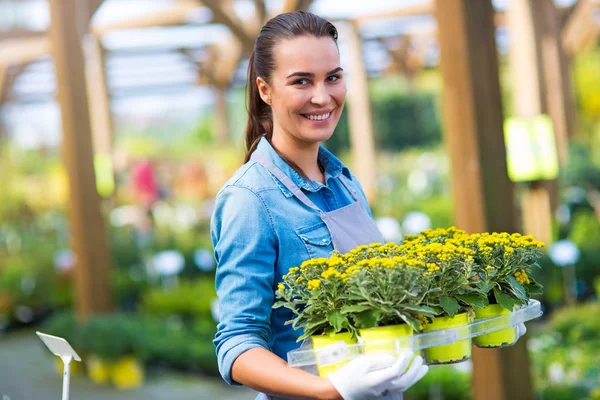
(349, 226)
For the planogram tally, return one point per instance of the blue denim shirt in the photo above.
(259, 231)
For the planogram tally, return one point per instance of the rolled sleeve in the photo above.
(246, 252)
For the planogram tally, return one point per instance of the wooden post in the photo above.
(560, 101)
(221, 115)
(99, 98)
(359, 114)
(87, 223)
(530, 91)
(3, 91)
(483, 195)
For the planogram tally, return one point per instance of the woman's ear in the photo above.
(264, 90)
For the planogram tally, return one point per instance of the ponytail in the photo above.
(260, 117)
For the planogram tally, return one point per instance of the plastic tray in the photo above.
(306, 357)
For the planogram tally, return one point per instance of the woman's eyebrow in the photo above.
(311, 75)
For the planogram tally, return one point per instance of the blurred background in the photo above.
(121, 119)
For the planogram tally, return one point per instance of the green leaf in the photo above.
(280, 304)
(366, 319)
(505, 300)
(534, 288)
(517, 288)
(437, 310)
(473, 300)
(418, 308)
(449, 305)
(411, 321)
(356, 308)
(427, 311)
(337, 320)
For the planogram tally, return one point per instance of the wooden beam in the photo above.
(23, 51)
(359, 113)
(261, 10)
(177, 14)
(405, 60)
(93, 289)
(20, 34)
(482, 193)
(93, 6)
(223, 13)
(581, 29)
(427, 8)
(217, 71)
(8, 77)
(296, 5)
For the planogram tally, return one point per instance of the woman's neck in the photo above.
(304, 155)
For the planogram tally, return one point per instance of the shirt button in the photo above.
(324, 240)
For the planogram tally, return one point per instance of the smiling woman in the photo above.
(291, 200)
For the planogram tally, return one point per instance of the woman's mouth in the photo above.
(317, 117)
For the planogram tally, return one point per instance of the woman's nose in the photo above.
(321, 95)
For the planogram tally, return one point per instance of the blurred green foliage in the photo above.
(565, 354)
(190, 299)
(442, 381)
(401, 122)
(112, 336)
(157, 341)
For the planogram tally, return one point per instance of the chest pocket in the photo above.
(317, 240)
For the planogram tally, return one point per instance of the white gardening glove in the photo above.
(521, 330)
(373, 376)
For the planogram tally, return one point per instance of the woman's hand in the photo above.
(374, 376)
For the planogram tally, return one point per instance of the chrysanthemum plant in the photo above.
(316, 292)
(504, 263)
(350, 291)
(386, 291)
(450, 267)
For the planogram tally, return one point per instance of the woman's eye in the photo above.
(333, 78)
(301, 82)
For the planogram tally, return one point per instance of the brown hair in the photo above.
(262, 63)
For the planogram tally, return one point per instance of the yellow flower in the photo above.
(522, 277)
(280, 286)
(432, 267)
(313, 284)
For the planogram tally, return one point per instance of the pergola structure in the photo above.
(473, 119)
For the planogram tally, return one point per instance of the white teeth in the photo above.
(318, 117)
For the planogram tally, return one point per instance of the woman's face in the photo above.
(307, 90)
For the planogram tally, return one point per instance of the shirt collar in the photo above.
(332, 165)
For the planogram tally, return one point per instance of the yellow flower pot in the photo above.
(98, 370)
(383, 338)
(450, 353)
(127, 373)
(322, 341)
(500, 338)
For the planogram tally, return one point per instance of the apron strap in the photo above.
(287, 182)
(349, 188)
